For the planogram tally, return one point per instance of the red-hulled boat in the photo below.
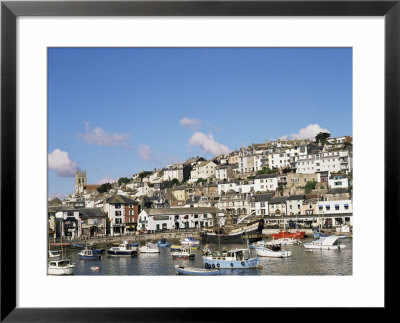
(286, 234)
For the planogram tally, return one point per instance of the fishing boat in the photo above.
(182, 270)
(88, 254)
(250, 233)
(235, 259)
(274, 251)
(163, 243)
(54, 253)
(189, 241)
(124, 249)
(326, 243)
(184, 253)
(149, 248)
(60, 267)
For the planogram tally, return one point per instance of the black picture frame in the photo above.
(10, 10)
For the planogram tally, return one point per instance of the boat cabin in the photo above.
(60, 263)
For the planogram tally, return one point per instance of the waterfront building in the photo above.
(277, 206)
(259, 204)
(153, 220)
(294, 204)
(92, 222)
(115, 207)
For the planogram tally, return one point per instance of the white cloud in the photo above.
(60, 162)
(192, 124)
(145, 152)
(97, 136)
(106, 179)
(60, 196)
(208, 144)
(309, 132)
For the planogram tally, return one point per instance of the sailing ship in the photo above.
(234, 233)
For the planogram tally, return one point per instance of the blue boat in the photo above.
(232, 259)
(88, 254)
(163, 243)
(182, 270)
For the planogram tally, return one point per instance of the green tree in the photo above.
(175, 181)
(322, 137)
(104, 187)
(201, 180)
(267, 170)
(124, 180)
(310, 186)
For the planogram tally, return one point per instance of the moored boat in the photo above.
(189, 241)
(318, 234)
(163, 243)
(326, 243)
(184, 253)
(124, 249)
(176, 247)
(88, 254)
(274, 251)
(54, 253)
(195, 271)
(60, 267)
(232, 259)
(286, 234)
(149, 248)
(250, 233)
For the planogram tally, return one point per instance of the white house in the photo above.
(266, 182)
(178, 218)
(259, 204)
(173, 171)
(116, 208)
(294, 204)
(223, 172)
(203, 170)
(226, 186)
(335, 181)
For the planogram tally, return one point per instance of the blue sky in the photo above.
(116, 111)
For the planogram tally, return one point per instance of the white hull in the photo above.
(312, 246)
(145, 250)
(265, 252)
(60, 271)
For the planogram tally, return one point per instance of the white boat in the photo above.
(124, 249)
(60, 267)
(273, 252)
(189, 241)
(327, 243)
(54, 253)
(184, 253)
(281, 241)
(149, 248)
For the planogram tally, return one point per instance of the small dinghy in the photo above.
(274, 251)
(182, 270)
(149, 248)
(163, 243)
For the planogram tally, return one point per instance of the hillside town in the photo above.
(305, 182)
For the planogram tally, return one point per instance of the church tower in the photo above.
(80, 182)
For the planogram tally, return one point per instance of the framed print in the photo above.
(267, 94)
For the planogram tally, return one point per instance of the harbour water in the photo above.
(302, 262)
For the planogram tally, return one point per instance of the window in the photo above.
(328, 207)
(117, 213)
(337, 207)
(262, 204)
(196, 216)
(253, 205)
(117, 206)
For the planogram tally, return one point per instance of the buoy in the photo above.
(95, 268)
